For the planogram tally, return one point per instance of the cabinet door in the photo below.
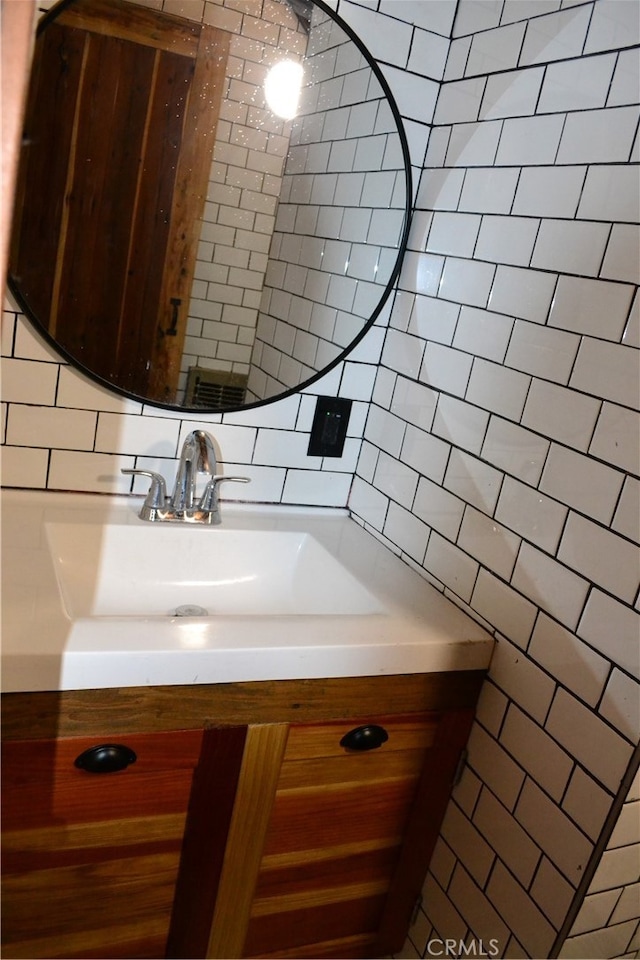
(90, 859)
(335, 837)
(328, 846)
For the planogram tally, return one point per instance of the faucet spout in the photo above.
(198, 456)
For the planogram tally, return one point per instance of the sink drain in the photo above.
(191, 610)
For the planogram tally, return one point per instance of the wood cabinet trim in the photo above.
(264, 749)
(209, 815)
(67, 713)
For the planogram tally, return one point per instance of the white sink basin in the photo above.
(90, 593)
(120, 570)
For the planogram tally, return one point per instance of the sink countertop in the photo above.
(417, 630)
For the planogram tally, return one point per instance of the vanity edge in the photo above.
(68, 713)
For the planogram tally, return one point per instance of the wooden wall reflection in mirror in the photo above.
(179, 237)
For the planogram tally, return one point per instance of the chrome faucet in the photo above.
(197, 456)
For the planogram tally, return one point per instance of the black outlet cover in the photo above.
(329, 428)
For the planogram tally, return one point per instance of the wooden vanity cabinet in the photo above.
(246, 827)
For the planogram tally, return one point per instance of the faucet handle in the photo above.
(157, 495)
(209, 497)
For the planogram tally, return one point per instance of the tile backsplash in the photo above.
(493, 443)
(67, 433)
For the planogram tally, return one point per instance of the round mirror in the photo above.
(212, 208)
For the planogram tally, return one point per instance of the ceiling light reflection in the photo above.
(282, 87)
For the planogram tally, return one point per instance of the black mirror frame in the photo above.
(402, 246)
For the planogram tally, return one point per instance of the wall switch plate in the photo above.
(329, 428)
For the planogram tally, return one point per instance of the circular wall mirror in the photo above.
(211, 209)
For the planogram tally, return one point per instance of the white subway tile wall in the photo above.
(523, 267)
(496, 450)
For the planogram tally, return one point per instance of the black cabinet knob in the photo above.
(368, 737)
(105, 758)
